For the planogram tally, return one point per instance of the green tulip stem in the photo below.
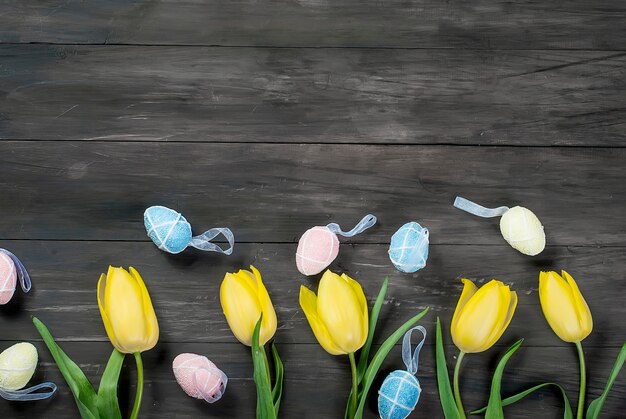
(267, 365)
(457, 393)
(139, 394)
(354, 402)
(583, 381)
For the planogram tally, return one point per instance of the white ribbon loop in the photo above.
(368, 221)
(473, 208)
(203, 241)
(412, 362)
(22, 273)
(213, 394)
(29, 394)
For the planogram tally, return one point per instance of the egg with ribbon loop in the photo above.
(171, 232)
(519, 226)
(408, 249)
(400, 391)
(319, 246)
(17, 366)
(199, 377)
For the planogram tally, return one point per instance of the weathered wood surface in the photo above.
(312, 374)
(525, 24)
(274, 192)
(273, 116)
(313, 95)
(186, 287)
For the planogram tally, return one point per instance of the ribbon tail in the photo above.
(473, 208)
(28, 394)
(368, 221)
(203, 241)
(412, 361)
(22, 273)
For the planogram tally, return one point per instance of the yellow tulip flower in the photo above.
(564, 307)
(482, 315)
(338, 314)
(127, 311)
(480, 318)
(244, 298)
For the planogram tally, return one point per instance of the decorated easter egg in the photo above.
(398, 395)
(317, 249)
(8, 278)
(408, 249)
(521, 228)
(199, 377)
(17, 366)
(168, 229)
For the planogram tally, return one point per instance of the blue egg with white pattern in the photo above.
(398, 395)
(168, 229)
(408, 249)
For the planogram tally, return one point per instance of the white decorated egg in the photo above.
(521, 228)
(17, 366)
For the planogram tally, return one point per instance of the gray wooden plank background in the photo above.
(273, 116)
(304, 95)
(523, 24)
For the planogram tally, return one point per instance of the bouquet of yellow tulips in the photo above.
(132, 327)
(339, 318)
(480, 318)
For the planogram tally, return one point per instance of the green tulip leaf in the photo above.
(379, 357)
(494, 408)
(264, 403)
(84, 394)
(568, 414)
(446, 396)
(277, 391)
(108, 405)
(593, 411)
(365, 351)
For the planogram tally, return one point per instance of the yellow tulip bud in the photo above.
(482, 315)
(564, 307)
(244, 298)
(127, 311)
(17, 366)
(338, 314)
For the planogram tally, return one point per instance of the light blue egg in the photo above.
(408, 249)
(168, 229)
(398, 395)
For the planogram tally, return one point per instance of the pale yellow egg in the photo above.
(17, 366)
(521, 228)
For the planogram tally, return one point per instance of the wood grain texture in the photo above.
(273, 116)
(274, 192)
(525, 24)
(313, 95)
(317, 383)
(185, 288)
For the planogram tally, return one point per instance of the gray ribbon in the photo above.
(203, 241)
(368, 221)
(22, 274)
(28, 394)
(479, 210)
(411, 361)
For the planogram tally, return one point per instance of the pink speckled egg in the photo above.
(199, 377)
(317, 249)
(8, 278)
